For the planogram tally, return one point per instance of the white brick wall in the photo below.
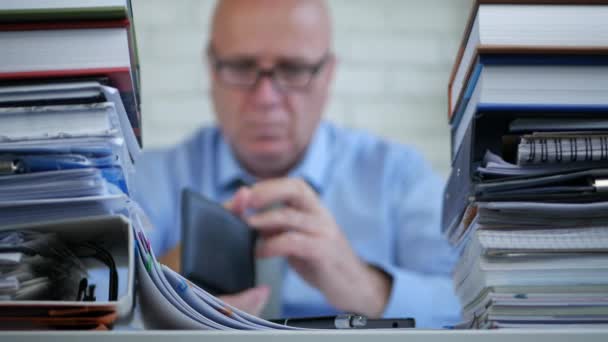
(395, 57)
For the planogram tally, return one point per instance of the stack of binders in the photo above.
(527, 200)
(68, 118)
(72, 40)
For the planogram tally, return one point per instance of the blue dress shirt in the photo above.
(384, 196)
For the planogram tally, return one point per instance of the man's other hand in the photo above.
(251, 300)
(293, 223)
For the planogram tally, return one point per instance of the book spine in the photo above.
(63, 14)
(119, 78)
(63, 25)
(506, 55)
(547, 150)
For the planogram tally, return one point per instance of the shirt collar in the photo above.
(312, 168)
(230, 172)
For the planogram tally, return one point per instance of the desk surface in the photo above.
(591, 335)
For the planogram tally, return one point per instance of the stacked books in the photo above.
(526, 200)
(72, 40)
(68, 117)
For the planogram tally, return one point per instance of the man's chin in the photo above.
(271, 156)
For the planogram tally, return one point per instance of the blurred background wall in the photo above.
(395, 59)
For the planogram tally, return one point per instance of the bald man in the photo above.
(358, 217)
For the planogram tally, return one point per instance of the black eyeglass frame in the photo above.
(313, 70)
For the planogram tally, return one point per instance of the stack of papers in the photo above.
(65, 171)
(170, 301)
(534, 250)
(60, 156)
(526, 203)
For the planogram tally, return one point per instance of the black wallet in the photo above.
(217, 246)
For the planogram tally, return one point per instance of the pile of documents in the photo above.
(68, 123)
(527, 200)
(71, 238)
(169, 301)
(65, 170)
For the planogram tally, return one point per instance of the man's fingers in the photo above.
(292, 191)
(282, 219)
(251, 300)
(239, 202)
(289, 244)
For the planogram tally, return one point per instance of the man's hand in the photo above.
(298, 227)
(251, 301)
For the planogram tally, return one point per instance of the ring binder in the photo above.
(580, 147)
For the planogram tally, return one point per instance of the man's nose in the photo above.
(266, 91)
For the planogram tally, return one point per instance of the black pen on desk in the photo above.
(347, 321)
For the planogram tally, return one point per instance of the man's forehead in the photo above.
(315, 12)
(293, 29)
(270, 47)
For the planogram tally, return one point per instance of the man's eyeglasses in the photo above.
(287, 75)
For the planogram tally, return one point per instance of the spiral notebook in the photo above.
(563, 147)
